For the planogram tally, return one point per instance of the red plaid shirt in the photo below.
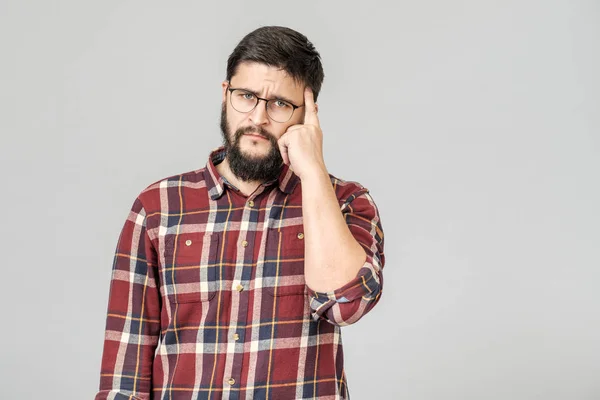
(208, 299)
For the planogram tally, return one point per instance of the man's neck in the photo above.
(247, 188)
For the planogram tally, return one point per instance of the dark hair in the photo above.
(280, 47)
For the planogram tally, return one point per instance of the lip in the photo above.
(256, 136)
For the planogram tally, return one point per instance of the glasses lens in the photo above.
(243, 101)
(279, 110)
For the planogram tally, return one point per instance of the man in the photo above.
(232, 281)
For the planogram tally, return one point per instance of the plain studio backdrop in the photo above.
(475, 124)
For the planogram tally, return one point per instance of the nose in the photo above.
(259, 116)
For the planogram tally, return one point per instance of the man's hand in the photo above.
(301, 146)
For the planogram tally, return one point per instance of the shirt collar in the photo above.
(215, 183)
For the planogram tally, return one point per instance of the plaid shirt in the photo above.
(208, 299)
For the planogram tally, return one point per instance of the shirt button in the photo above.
(301, 235)
(251, 203)
(239, 288)
(188, 242)
(236, 337)
(231, 381)
(245, 243)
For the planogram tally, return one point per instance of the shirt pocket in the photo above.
(190, 267)
(283, 271)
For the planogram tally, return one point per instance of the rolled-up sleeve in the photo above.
(133, 318)
(349, 303)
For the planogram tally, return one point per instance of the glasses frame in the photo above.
(258, 99)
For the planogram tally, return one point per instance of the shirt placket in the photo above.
(240, 294)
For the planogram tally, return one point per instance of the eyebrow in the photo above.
(277, 97)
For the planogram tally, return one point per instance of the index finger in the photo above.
(310, 108)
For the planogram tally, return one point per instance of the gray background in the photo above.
(474, 123)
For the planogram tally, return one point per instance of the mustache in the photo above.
(255, 131)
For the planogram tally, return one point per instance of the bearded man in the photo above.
(233, 281)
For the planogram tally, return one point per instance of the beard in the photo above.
(245, 167)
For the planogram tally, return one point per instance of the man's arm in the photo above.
(344, 254)
(344, 250)
(133, 318)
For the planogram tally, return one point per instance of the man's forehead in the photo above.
(257, 73)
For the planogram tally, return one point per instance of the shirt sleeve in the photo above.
(349, 303)
(133, 317)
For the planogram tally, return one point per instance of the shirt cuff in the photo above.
(365, 286)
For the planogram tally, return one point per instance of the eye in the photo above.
(280, 104)
(247, 96)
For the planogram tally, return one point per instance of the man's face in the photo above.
(251, 138)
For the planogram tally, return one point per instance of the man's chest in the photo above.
(205, 248)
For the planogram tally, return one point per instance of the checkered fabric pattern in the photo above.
(208, 298)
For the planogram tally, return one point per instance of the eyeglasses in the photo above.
(278, 110)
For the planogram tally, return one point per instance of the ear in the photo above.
(225, 85)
